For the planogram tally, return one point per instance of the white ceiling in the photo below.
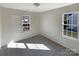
(30, 7)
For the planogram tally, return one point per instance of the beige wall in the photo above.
(51, 26)
(12, 28)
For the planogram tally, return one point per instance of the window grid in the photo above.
(70, 28)
(26, 22)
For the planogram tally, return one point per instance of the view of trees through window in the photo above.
(70, 27)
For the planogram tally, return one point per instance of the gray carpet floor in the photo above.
(47, 48)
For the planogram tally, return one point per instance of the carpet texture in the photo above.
(36, 46)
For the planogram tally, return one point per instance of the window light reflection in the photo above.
(37, 46)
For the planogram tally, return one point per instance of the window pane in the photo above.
(65, 16)
(75, 19)
(70, 21)
(69, 33)
(65, 19)
(70, 16)
(69, 28)
(65, 27)
(74, 28)
(74, 34)
(74, 31)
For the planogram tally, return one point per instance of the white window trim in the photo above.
(73, 25)
(30, 19)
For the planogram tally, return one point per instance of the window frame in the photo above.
(73, 25)
(29, 21)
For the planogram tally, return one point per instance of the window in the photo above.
(25, 19)
(26, 22)
(70, 28)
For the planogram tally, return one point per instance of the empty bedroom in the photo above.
(39, 29)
